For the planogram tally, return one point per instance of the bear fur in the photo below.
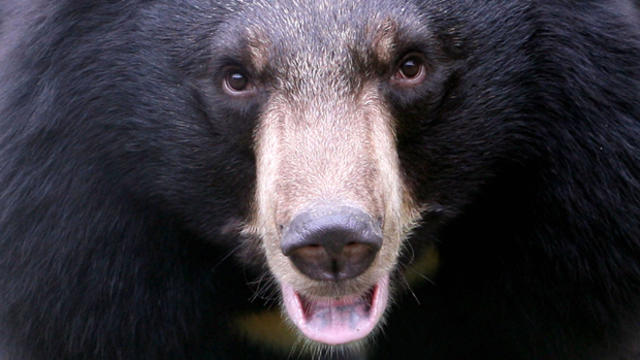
(125, 177)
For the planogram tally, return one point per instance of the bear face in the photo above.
(331, 207)
(326, 145)
(333, 124)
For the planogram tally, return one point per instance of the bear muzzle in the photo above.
(332, 243)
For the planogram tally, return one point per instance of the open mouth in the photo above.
(337, 320)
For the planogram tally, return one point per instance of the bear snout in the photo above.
(332, 243)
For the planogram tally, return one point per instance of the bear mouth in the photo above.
(337, 320)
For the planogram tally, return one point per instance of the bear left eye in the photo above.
(411, 71)
(237, 83)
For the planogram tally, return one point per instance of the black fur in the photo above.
(124, 172)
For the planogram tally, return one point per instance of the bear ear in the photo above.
(384, 40)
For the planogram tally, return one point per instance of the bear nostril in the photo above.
(339, 244)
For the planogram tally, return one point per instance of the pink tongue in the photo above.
(336, 320)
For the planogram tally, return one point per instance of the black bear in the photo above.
(431, 179)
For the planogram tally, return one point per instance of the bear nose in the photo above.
(332, 243)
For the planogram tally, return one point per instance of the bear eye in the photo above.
(411, 71)
(236, 83)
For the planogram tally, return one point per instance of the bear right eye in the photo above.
(237, 83)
